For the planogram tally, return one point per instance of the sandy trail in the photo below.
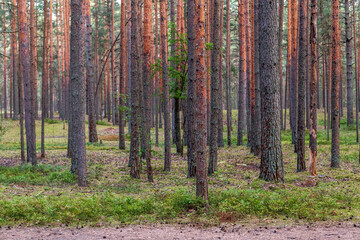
(172, 233)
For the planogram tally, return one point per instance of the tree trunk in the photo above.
(5, 65)
(348, 36)
(191, 95)
(135, 97)
(301, 89)
(313, 89)
(293, 71)
(221, 94)
(242, 74)
(166, 101)
(51, 61)
(280, 39)
(21, 100)
(201, 102)
(27, 81)
(15, 94)
(335, 84)
(248, 72)
(90, 80)
(215, 89)
(228, 73)
(147, 84)
(123, 53)
(78, 88)
(257, 119)
(271, 168)
(44, 84)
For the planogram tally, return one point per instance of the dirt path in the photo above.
(169, 232)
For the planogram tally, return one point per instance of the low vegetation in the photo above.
(48, 194)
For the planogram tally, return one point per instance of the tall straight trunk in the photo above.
(21, 99)
(335, 84)
(191, 94)
(201, 102)
(348, 36)
(135, 97)
(122, 74)
(90, 79)
(44, 80)
(356, 75)
(288, 62)
(5, 65)
(96, 62)
(59, 73)
(221, 94)
(280, 39)
(328, 89)
(51, 61)
(293, 71)
(228, 73)
(15, 94)
(147, 84)
(271, 168)
(308, 56)
(166, 101)
(257, 122)
(301, 89)
(26, 89)
(78, 88)
(215, 89)
(252, 79)
(313, 89)
(157, 80)
(242, 73)
(248, 72)
(114, 96)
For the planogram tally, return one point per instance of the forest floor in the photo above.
(48, 195)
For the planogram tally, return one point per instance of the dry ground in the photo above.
(170, 232)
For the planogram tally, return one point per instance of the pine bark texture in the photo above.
(201, 102)
(301, 89)
(77, 89)
(191, 94)
(27, 81)
(349, 62)
(335, 84)
(165, 78)
(147, 84)
(313, 89)
(271, 168)
(215, 89)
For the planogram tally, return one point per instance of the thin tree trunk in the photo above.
(215, 89)
(44, 84)
(280, 39)
(313, 89)
(21, 93)
(51, 61)
(242, 74)
(348, 36)
(26, 89)
(166, 101)
(15, 94)
(191, 95)
(335, 84)
(301, 89)
(135, 97)
(5, 65)
(147, 84)
(228, 73)
(123, 53)
(90, 80)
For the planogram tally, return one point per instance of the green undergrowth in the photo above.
(48, 194)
